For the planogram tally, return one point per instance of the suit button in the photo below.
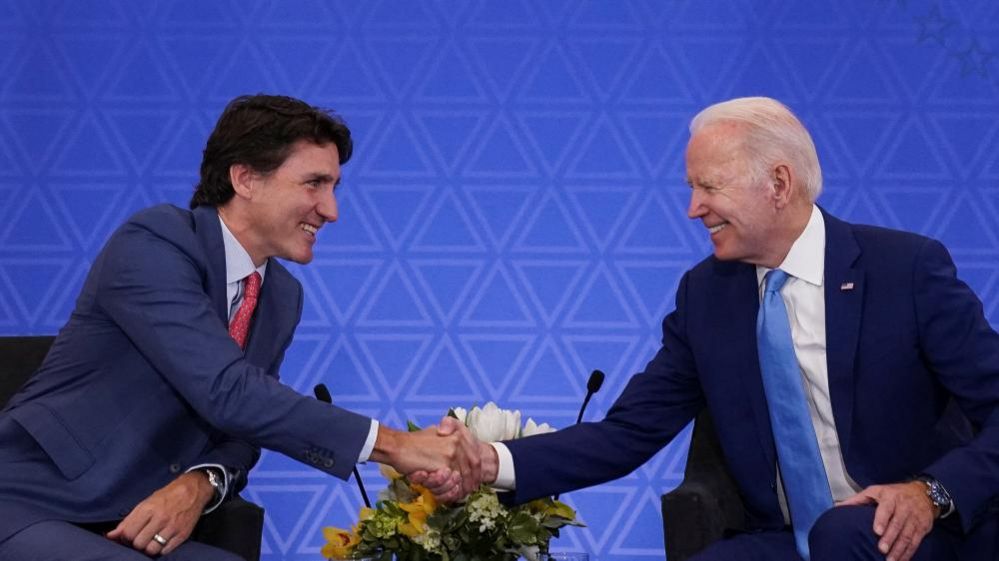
(328, 463)
(174, 468)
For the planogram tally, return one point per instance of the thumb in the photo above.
(448, 426)
(861, 498)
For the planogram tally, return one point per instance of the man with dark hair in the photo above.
(156, 396)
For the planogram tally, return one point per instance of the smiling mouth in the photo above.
(309, 228)
(715, 229)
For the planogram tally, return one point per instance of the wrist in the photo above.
(386, 446)
(490, 462)
(203, 489)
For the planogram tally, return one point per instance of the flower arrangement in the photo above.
(407, 523)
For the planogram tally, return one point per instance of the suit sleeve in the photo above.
(151, 286)
(963, 349)
(654, 406)
(239, 456)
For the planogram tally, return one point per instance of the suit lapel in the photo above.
(844, 294)
(271, 317)
(737, 288)
(747, 307)
(209, 231)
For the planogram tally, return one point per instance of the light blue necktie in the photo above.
(801, 469)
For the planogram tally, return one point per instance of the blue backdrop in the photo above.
(514, 215)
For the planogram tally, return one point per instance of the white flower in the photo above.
(486, 510)
(491, 424)
(460, 413)
(530, 428)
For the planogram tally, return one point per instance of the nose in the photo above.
(327, 208)
(695, 209)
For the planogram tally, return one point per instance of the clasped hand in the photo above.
(448, 460)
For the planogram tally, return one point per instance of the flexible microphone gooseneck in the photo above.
(592, 386)
(323, 394)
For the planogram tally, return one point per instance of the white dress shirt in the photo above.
(806, 309)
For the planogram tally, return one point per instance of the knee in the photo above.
(844, 533)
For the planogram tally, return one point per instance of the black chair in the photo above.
(236, 526)
(706, 506)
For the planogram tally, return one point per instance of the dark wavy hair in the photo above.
(259, 131)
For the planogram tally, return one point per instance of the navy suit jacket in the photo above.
(144, 381)
(906, 338)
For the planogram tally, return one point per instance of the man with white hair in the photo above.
(828, 355)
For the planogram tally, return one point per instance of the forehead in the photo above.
(308, 157)
(713, 148)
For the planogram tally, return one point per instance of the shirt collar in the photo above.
(238, 264)
(806, 260)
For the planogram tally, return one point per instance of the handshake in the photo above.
(447, 458)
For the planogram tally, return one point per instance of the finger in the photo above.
(912, 534)
(891, 526)
(172, 544)
(883, 515)
(153, 547)
(905, 544)
(438, 478)
(144, 540)
(419, 477)
(129, 527)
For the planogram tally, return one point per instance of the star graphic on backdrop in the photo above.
(934, 26)
(975, 59)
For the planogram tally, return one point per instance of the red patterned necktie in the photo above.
(239, 327)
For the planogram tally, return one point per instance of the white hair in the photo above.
(772, 134)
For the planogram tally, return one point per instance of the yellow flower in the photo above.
(417, 511)
(388, 472)
(339, 542)
(548, 507)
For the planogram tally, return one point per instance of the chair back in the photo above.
(20, 357)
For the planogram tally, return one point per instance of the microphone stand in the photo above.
(592, 386)
(323, 394)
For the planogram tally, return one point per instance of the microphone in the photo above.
(592, 386)
(323, 394)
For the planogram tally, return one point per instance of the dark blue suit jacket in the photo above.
(905, 339)
(144, 381)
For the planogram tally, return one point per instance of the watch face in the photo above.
(937, 493)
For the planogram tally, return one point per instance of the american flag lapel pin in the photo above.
(846, 286)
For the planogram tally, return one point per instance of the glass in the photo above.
(565, 556)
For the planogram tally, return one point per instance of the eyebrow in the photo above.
(325, 177)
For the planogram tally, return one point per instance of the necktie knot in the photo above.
(774, 280)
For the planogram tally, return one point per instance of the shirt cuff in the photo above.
(222, 492)
(505, 477)
(369, 444)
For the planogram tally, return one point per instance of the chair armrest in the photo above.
(236, 526)
(695, 515)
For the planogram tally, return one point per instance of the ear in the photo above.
(783, 185)
(242, 179)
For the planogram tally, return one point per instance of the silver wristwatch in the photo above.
(215, 481)
(937, 494)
